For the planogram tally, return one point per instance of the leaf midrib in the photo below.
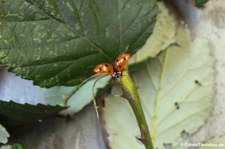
(157, 100)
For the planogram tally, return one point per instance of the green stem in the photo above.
(131, 94)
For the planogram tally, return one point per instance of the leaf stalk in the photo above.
(131, 94)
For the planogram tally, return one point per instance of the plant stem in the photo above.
(131, 94)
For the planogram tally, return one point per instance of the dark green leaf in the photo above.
(200, 3)
(13, 114)
(58, 42)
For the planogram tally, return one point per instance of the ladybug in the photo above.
(113, 69)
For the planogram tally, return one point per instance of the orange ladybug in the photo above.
(113, 69)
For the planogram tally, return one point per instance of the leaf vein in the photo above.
(177, 123)
(66, 60)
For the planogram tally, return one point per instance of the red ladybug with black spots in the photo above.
(113, 69)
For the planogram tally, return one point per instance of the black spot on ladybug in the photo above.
(117, 60)
(99, 69)
(124, 58)
(106, 65)
(109, 71)
(120, 66)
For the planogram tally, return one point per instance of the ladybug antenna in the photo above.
(68, 95)
(85, 81)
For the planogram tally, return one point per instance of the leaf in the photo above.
(14, 114)
(27, 105)
(79, 99)
(176, 92)
(217, 142)
(14, 146)
(163, 35)
(19, 90)
(120, 124)
(59, 42)
(4, 135)
(80, 131)
(6, 147)
(200, 3)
